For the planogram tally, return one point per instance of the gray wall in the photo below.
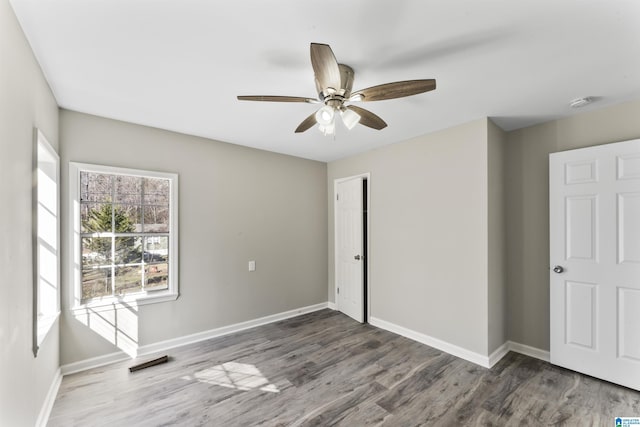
(497, 236)
(528, 207)
(25, 102)
(236, 204)
(428, 242)
(427, 245)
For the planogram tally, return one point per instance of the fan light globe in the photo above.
(328, 129)
(350, 118)
(324, 116)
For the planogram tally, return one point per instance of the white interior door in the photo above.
(595, 249)
(349, 248)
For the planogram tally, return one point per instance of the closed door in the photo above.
(595, 261)
(349, 248)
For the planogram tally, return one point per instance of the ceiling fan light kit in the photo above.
(324, 115)
(349, 117)
(333, 83)
(328, 129)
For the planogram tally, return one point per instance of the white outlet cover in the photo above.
(252, 266)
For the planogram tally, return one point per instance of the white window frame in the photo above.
(46, 304)
(75, 242)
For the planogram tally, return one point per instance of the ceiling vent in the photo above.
(580, 102)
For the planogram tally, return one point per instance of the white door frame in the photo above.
(366, 176)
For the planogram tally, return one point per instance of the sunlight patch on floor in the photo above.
(241, 376)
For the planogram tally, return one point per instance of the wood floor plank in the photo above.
(337, 410)
(324, 369)
(367, 414)
(415, 386)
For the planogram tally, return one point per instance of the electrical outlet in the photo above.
(252, 266)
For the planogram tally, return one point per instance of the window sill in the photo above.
(126, 302)
(45, 324)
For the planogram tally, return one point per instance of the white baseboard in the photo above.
(144, 350)
(47, 405)
(452, 349)
(225, 330)
(94, 362)
(499, 353)
(529, 351)
(461, 352)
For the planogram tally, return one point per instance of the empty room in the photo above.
(364, 213)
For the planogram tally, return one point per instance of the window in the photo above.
(125, 235)
(46, 237)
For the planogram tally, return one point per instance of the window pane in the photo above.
(95, 187)
(96, 217)
(156, 277)
(156, 191)
(96, 283)
(156, 249)
(128, 250)
(128, 218)
(128, 279)
(156, 219)
(96, 251)
(121, 221)
(128, 189)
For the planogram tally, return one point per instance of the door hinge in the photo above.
(337, 197)
(338, 291)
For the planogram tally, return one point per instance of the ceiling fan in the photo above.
(334, 82)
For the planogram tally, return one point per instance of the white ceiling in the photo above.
(179, 64)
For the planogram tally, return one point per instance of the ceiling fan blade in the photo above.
(307, 123)
(367, 118)
(325, 66)
(271, 98)
(394, 90)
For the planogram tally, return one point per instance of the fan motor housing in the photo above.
(336, 97)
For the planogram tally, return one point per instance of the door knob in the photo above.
(357, 257)
(558, 269)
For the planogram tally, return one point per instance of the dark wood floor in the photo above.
(325, 369)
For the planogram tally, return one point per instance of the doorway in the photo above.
(351, 237)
